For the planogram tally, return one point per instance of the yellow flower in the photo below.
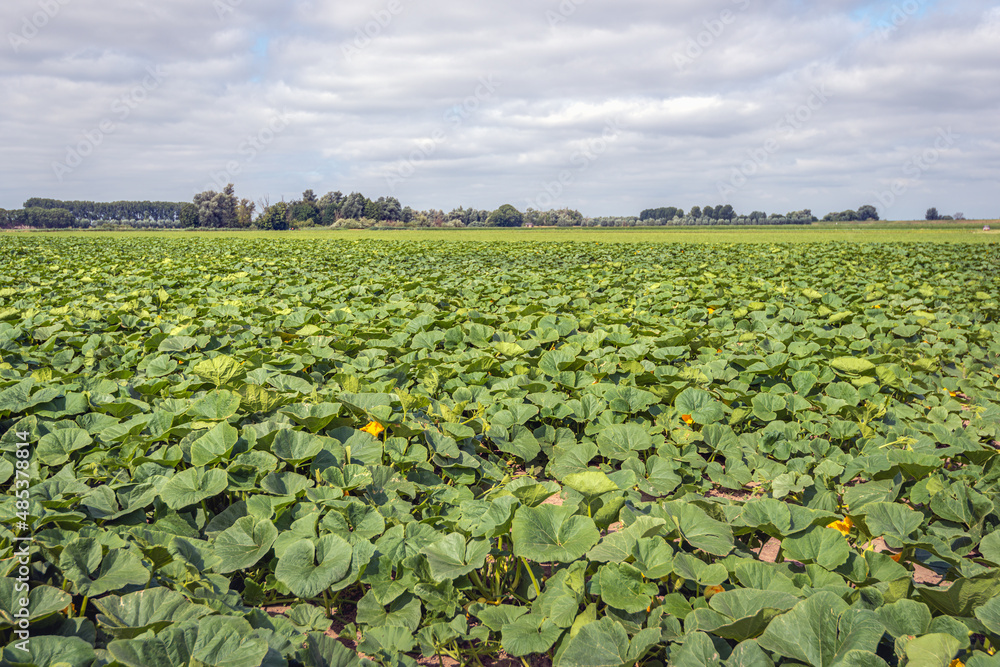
(374, 428)
(896, 557)
(687, 419)
(843, 526)
(712, 590)
(711, 310)
(956, 663)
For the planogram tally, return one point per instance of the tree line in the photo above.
(224, 210)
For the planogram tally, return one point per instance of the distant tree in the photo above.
(727, 213)
(506, 216)
(932, 214)
(217, 209)
(390, 209)
(353, 206)
(696, 212)
(306, 211)
(371, 210)
(274, 217)
(960, 216)
(867, 212)
(189, 216)
(244, 213)
(568, 218)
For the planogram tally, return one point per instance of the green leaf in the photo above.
(892, 520)
(529, 634)
(604, 643)
(49, 651)
(623, 587)
(296, 447)
(824, 546)
(218, 404)
(191, 486)
(963, 596)
(552, 534)
(214, 446)
(904, 617)
(244, 543)
(989, 615)
(323, 651)
(55, 448)
(698, 650)
(131, 615)
(820, 629)
(748, 611)
(93, 574)
(218, 370)
(451, 557)
(936, 650)
(43, 601)
(591, 483)
(852, 365)
(225, 641)
(700, 404)
(699, 530)
(621, 441)
(299, 570)
(177, 344)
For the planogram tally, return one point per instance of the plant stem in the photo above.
(538, 589)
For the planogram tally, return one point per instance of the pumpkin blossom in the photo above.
(687, 419)
(956, 663)
(374, 428)
(712, 590)
(844, 527)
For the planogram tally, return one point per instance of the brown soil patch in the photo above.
(556, 499)
(769, 551)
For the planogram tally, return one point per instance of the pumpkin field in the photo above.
(267, 452)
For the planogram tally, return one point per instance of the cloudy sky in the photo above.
(607, 107)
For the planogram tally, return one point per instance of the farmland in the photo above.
(591, 453)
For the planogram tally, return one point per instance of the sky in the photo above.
(605, 107)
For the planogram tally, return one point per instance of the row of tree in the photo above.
(116, 210)
(932, 214)
(224, 210)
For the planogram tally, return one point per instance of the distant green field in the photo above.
(932, 232)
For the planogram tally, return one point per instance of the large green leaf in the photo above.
(822, 629)
(605, 643)
(700, 530)
(131, 615)
(218, 404)
(191, 486)
(309, 569)
(824, 546)
(551, 534)
(43, 601)
(935, 650)
(624, 587)
(49, 651)
(219, 370)
(92, 572)
(244, 543)
(214, 446)
(452, 557)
